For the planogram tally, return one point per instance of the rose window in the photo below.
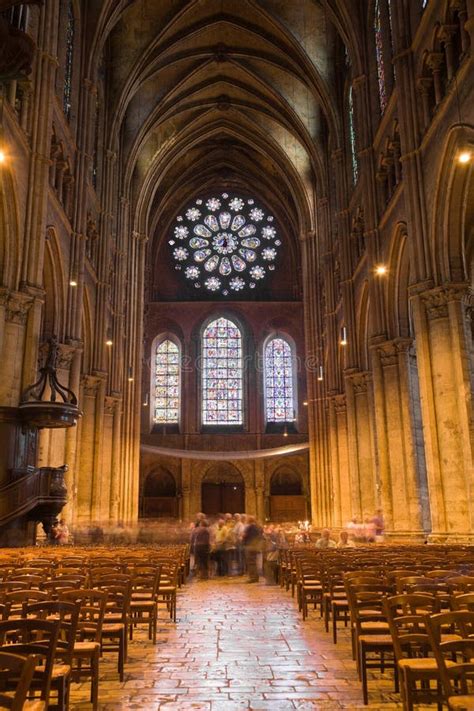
(225, 244)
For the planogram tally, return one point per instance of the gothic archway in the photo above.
(287, 502)
(159, 499)
(222, 490)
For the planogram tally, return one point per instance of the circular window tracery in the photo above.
(225, 244)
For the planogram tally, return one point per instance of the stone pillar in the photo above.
(341, 471)
(186, 489)
(401, 481)
(361, 444)
(260, 489)
(444, 348)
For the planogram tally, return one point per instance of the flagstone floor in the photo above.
(237, 646)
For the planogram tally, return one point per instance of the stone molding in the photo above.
(390, 351)
(340, 404)
(17, 306)
(111, 404)
(359, 381)
(91, 384)
(436, 300)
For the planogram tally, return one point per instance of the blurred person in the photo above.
(270, 555)
(239, 528)
(202, 549)
(252, 541)
(344, 541)
(379, 524)
(229, 544)
(62, 533)
(325, 540)
(219, 547)
(369, 530)
(302, 537)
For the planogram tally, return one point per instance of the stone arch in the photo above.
(10, 245)
(159, 494)
(453, 208)
(398, 282)
(286, 481)
(54, 291)
(363, 324)
(223, 489)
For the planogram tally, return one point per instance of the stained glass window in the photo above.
(69, 59)
(352, 138)
(380, 59)
(279, 386)
(225, 244)
(167, 381)
(222, 379)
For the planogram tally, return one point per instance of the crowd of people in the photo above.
(370, 530)
(235, 544)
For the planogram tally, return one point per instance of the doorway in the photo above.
(222, 490)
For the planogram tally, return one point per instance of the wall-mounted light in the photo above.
(130, 374)
(343, 341)
(320, 373)
(3, 156)
(73, 282)
(146, 400)
(109, 342)
(464, 157)
(285, 431)
(305, 403)
(381, 270)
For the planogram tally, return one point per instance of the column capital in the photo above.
(359, 380)
(436, 300)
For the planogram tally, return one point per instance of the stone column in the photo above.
(341, 471)
(260, 489)
(444, 349)
(361, 444)
(401, 481)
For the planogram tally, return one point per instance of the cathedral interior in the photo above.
(236, 263)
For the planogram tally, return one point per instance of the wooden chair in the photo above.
(144, 605)
(167, 589)
(412, 649)
(116, 621)
(17, 599)
(372, 644)
(87, 646)
(67, 614)
(35, 637)
(21, 669)
(454, 656)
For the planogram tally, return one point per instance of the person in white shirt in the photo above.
(345, 541)
(325, 541)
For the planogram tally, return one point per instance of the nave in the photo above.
(238, 646)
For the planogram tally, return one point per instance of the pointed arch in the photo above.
(166, 380)
(279, 379)
(222, 382)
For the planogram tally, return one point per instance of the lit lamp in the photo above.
(285, 431)
(320, 373)
(464, 156)
(3, 156)
(145, 401)
(73, 282)
(343, 341)
(130, 374)
(305, 403)
(381, 270)
(109, 342)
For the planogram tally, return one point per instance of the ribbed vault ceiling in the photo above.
(234, 94)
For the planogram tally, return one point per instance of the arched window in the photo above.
(166, 384)
(222, 376)
(352, 137)
(69, 59)
(279, 381)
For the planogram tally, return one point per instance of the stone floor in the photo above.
(237, 646)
